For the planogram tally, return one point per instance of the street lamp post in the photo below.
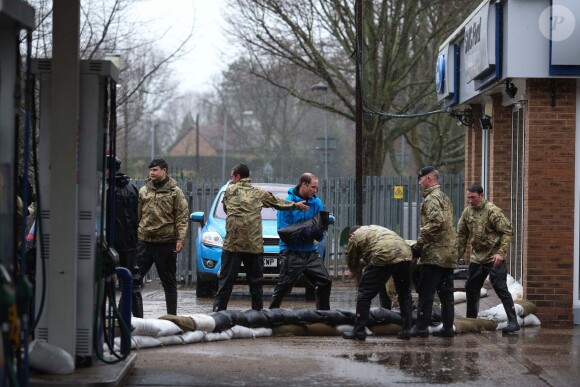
(322, 87)
(224, 147)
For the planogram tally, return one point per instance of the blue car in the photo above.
(210, 239)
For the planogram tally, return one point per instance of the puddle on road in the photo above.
(439, 367)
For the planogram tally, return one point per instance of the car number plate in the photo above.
(269, 262)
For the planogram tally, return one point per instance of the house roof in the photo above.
(185, 145)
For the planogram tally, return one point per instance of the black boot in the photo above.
(257, 299)
(359, 330)
(513, 325)
(323, 297)
(472, 308)
(447, 316)
(171, 304)
(137, 304)
(421, 328)
(277, 297)
(275, 304)
(406, 305)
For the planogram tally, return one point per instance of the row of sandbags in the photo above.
(235, 324)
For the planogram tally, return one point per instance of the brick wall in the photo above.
(500, 138)
(473, 149)
(549, 200)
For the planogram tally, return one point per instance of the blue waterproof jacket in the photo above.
(286, 218)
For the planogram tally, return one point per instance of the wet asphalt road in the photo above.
(534, 357)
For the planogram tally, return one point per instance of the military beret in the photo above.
(161, 163)
(425, 171)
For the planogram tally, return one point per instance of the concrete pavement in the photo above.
(534, 357)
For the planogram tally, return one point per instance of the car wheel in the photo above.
(205, 289)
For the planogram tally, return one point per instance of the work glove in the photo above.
(416, 250)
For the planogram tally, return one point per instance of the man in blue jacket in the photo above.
(302, 258)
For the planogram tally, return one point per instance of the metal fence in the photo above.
(392, 202)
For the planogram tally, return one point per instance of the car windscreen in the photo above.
(267, 213)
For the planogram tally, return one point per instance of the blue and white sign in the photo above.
(440, 74)
(478, 60)
(563, 22)
(445, 73)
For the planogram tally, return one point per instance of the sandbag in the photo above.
(497, 313)
(184, 322)
(465, 325)
(438, 328)
(218, 336)
(336, 317)
(515, 288)
(50, 359)
(282, 317)
(529, 306)
(349, 328)
(320, 329)
(222, 321)
(347, 317)
(380, 315)
(460, 274)
(262, 332)
(485, 325)
(154, 327)
(203, 322)
(193, 337)
(138, 342)
(289, 330)
(306, 232)
(309, 316)
(257, 319)
(389, 329)
(531, 320)
(459, 297)
(503, 324)
(241, 332)
(237, 317)
(171, 340)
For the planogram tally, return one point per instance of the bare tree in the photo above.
(146, 83)
(400, 38)
(281, 130)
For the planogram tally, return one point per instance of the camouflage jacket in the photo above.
(437, 237)
(163, 213)
(243, 205)
(375, 245)
(488, 229)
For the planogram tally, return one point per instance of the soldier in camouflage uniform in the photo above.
(436, 247)
(490, 233)
(383, 254)
(163, 217)
(244, 242)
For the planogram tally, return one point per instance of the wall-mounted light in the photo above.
(510, 88)
(485, 122)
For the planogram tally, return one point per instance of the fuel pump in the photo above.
(15, 16)
(96, 77)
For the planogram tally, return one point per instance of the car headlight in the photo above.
(212, 238)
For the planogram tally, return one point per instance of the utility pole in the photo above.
(197, 144)
(359, 111)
